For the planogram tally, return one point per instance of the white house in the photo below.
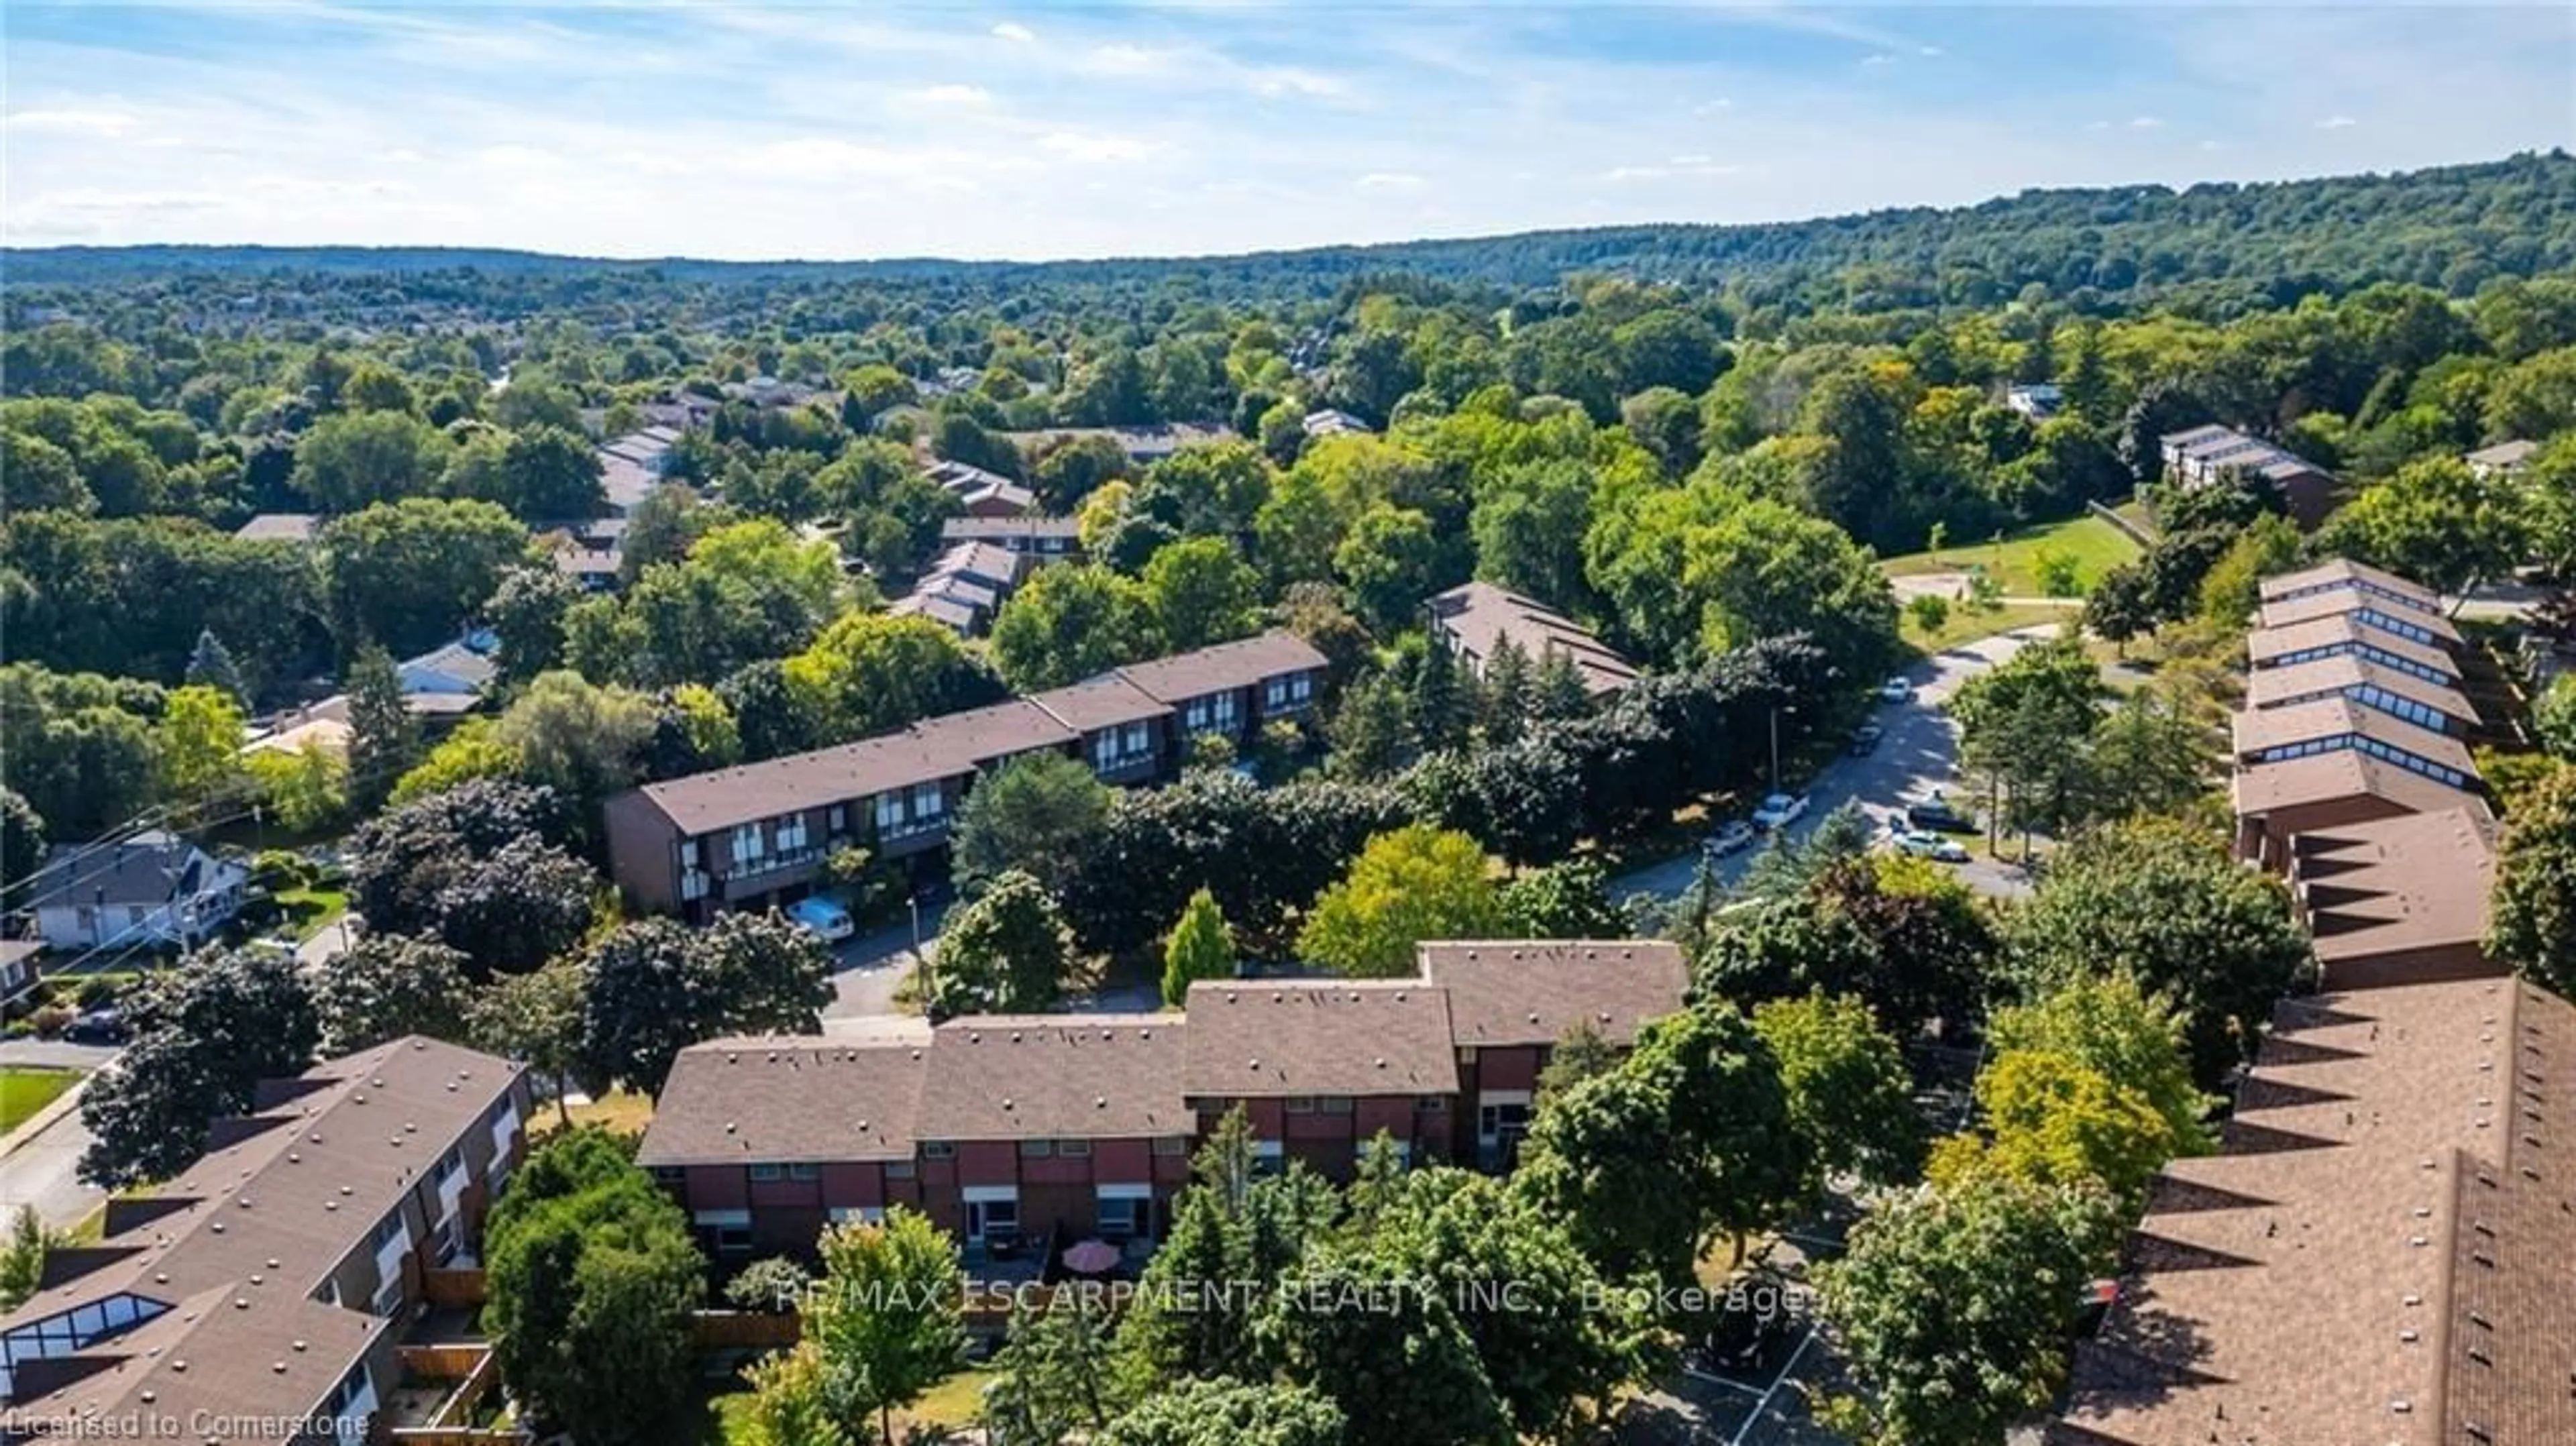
(153, 887)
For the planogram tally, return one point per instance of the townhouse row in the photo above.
(2353, 710)
(2393, 1175)
(757, 835)
(272, 1282)
(1010, 1131)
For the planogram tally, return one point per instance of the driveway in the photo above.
(1919, 753)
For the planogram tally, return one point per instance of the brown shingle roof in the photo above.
(2258, 729)
(930, 750)
(1108, 1076)
(2264, 644)
(257, 1358)
(266, 1219)
(2345, 773)
(2337, 1279)
(787, 1099)
(1102, 702)
(1177, 679)
(2412, 882)
(2339, 570)
(279, 527)
(2286, 612)
(1349, 1037)
(1535, 991)
(1480, 615)
(2278, 687)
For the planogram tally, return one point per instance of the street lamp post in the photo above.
(1776, 710)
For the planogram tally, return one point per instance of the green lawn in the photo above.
(2013, 563)
(310, 911)
(25, 1091)
(1967, 627)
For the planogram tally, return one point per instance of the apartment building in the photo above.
(757, 834)
(2416, 700)
(2347, 635)
(2343, 575)
(2399, 900)
(272, 1281)
(1011, 1131)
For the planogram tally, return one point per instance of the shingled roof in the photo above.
(1345, 1037)
(2280, 687)
(1183, 676)
(1535, 992)
(787, 1099)
(2385, 1252)
(1107, 1076)
(2344, 630)
(2342, 571)
(2411, 883)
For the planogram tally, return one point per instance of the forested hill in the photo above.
(2451, 227)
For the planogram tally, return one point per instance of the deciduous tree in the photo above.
(1006, 952)
(1413, 884)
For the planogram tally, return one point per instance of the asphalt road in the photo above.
(1919, 753)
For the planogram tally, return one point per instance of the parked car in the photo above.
(1864, 739)
(1731, 836)
(1925, 845)
(1898, 689)
(822, 918)
(1937, 814)
(98, 1026)
(1780, 810)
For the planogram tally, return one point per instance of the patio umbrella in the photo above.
(1091, 1257)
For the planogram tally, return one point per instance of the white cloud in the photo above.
(954, 95)
(1125, 59)
(1873, 62)
(2146, 122)
(1929, 50)
(1015, 32)
(1713, 105)
(2336, 123)
(1288, 80)
(1389, 181)
(1099, 147)
(108, 123)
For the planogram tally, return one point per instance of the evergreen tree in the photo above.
(1371, 730)
(1507, 699)
(1559, 691)
(1440, 704)
(1199, 949)
(384, 738)
(212, 666)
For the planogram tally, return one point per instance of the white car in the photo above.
(1780, 810)
(1732, 836)
(1896, 690)
(822, 918)
(1923, 845)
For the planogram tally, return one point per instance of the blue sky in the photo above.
(1040, 130)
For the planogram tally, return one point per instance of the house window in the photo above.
(1104, 750)
(450, 1163)
(929, 800)
(838, 819)
(1074, 1149)
(1124, 1217)
(1172, 1145)
(1195, 717)
(898, 1169)
(766, 1174)
(1496, 1121)
(669, 1175)
(1036, 1149)
(733, 1239)
(387, 1230)
(688, 853)
(805, 1170)
(389, 1298)
(1430, 1104)
(1140, 740)
(938, 1150)
(1301, 1104)
(889, 812)
(747, 843)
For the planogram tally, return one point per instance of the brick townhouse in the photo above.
(1008, 1131)
(275, 1277)
(757, 834)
